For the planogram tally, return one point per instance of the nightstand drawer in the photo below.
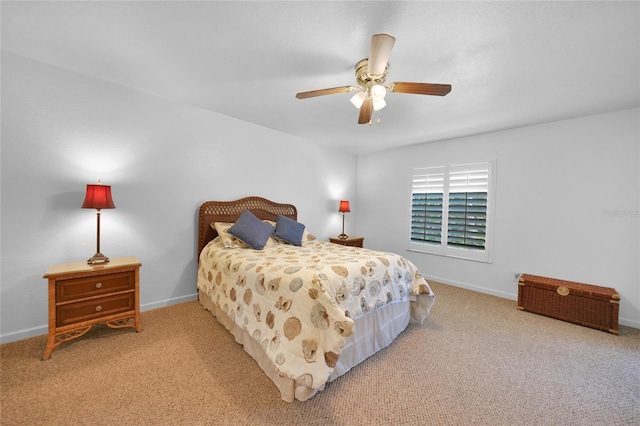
(80, 288)
(73, 313)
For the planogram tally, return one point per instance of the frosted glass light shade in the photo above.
(378, 91)
(378, 104)
(357, 99)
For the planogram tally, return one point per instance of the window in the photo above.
(426, 205)
(451, 210)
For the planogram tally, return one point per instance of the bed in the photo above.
(306, 310)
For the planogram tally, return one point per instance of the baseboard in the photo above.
(38, 331)
(23, 334)
(44, 329)
(168, 302)
(504, 295)
(629, 323)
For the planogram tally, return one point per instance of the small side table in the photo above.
(351, 241)
(81, 295)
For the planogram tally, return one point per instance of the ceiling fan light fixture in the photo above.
(378, 104)
(378, 92)
(357, 99)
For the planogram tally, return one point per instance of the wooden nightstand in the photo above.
(349, 241)
(81, 295)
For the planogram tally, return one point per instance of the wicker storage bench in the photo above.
(584, 304)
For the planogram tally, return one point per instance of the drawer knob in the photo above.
(98, 285)
(563, 291)
(98, 308)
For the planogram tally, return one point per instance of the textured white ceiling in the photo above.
(510, 63)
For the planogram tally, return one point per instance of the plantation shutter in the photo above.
(467, 219)
(426, 205)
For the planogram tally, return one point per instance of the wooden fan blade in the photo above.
(322, 92)
(381, 45)
(365, 111)
(420, 88)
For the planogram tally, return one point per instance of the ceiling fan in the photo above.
(371, 74)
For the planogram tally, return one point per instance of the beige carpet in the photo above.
(478, 361)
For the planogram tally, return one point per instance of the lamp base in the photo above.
(98, 259)
(343, 236)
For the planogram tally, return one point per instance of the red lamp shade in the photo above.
(98, 197)
(344, 206)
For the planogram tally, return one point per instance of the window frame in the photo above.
(443, 249)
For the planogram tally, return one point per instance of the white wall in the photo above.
(566, 205)
(62, 130)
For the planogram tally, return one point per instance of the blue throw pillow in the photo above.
(251, 230)
(289, 230)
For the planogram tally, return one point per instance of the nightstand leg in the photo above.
(58, 339)
(50, 347)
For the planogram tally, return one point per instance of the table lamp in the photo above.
(344, 208)
(98, 197)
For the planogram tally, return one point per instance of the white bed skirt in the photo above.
(372, 332)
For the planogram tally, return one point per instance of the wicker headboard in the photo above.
(229, 211)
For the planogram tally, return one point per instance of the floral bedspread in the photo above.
(299, 302)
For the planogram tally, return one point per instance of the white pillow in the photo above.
(306, 236)
(229, 240)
